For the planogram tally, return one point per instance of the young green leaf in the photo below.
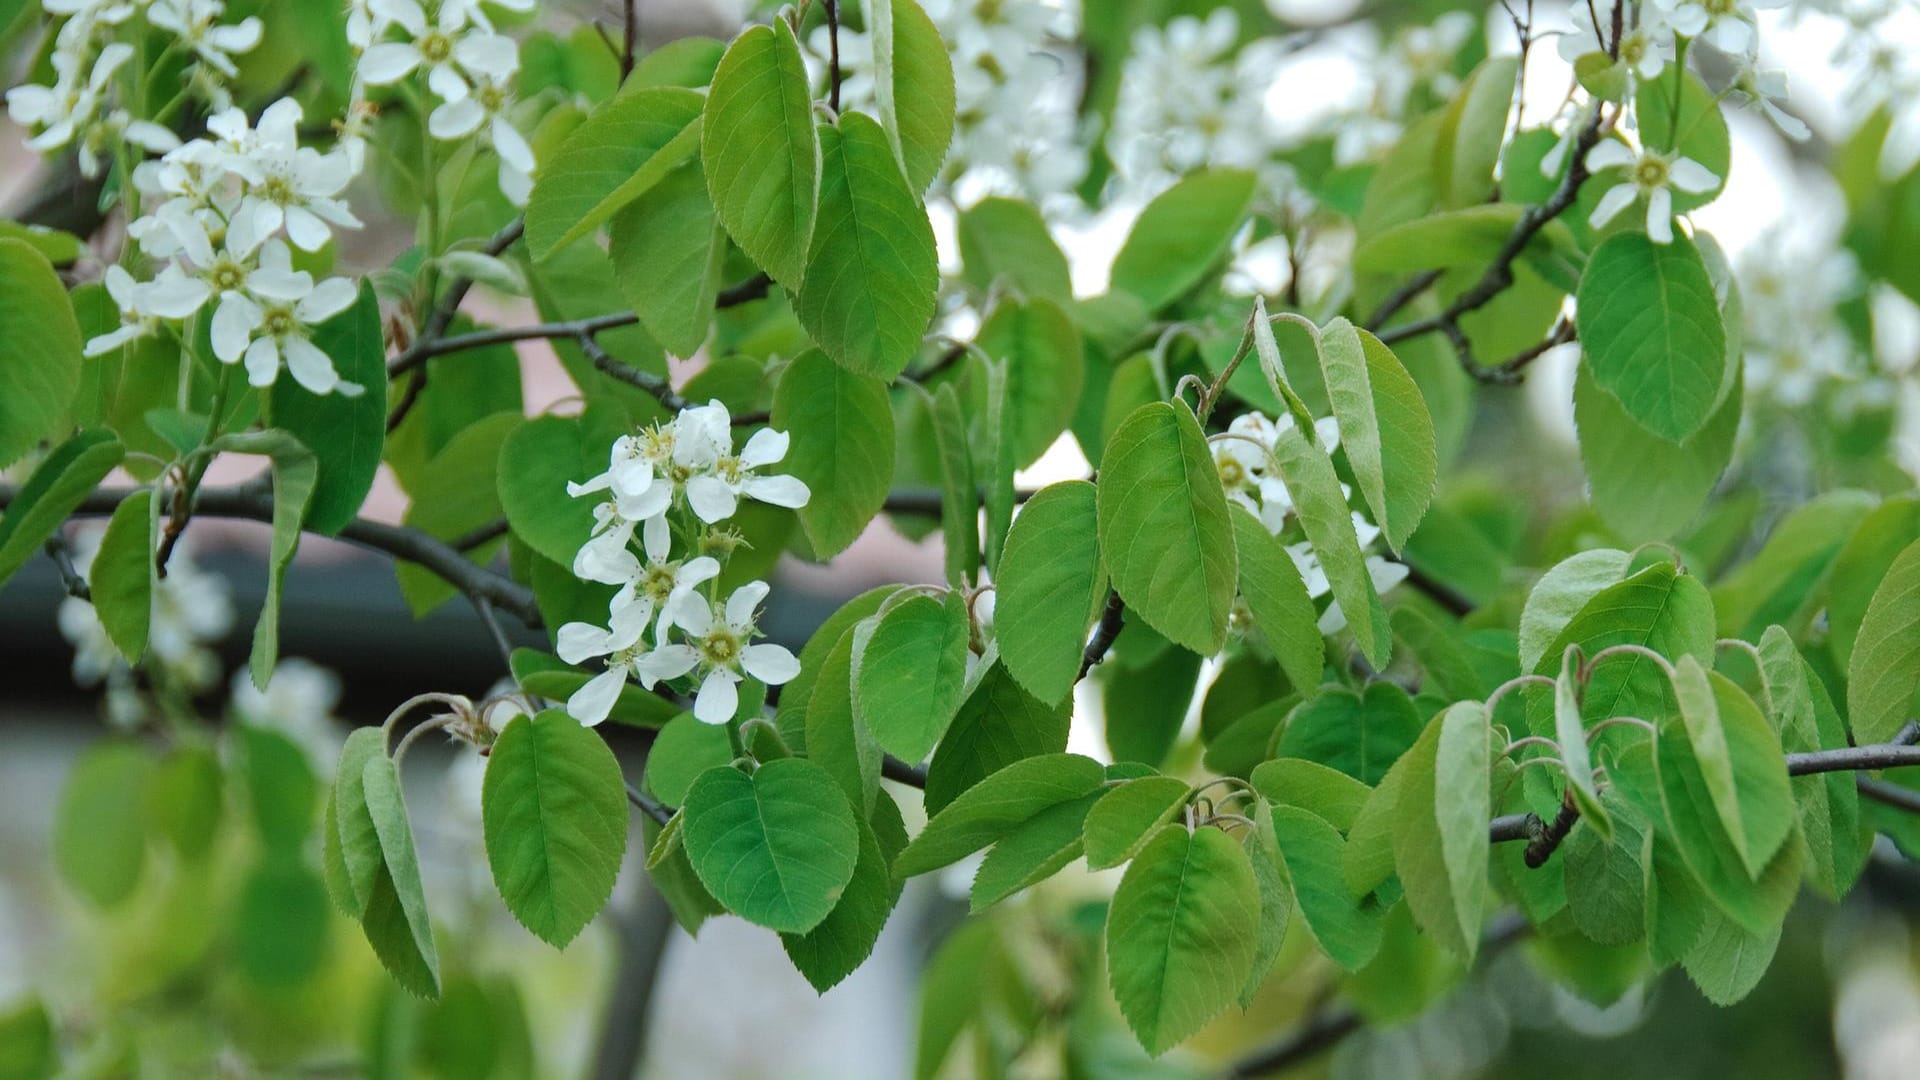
(536, 462)
(1045, 370)
(1120, 823)
(999, 725)
(1276, 897)
(99, 825)
(41, 370)
(1328, 522)
(832, 950)
(913, 86)
(959, 498)
(346, 434)
(1560, 594)
(295, 471)
(1828, 804)
(121, 577)
(1384, 427)
(1472, 132)
(1309, 785)
(1005, 243)
(396, 917)
(1182, 933)
(1032, 852)
(1164, 528)
(354, 859)
(1440, 841)
(872, 271)
(841, 432)
(1050, 581)
(1360, 733)
(761, 157)
(995, 806)
(554, 811)
(1315, 854)
(777, 847)
(1182, 235)
(1570, 732)
(836, 738)
(1861, 565)
(668, 252)
(909, 676)
(1652, 331)
(625, 148)
(1885, 669)
(1277, 596)
(53, 491)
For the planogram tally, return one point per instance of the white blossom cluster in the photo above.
(84, 108)
(667, 621)
(1244, 458)
(1791, 280)
(191, 609)
(1190, 97)
(469, 68)
(1016, 131)
(221, 212)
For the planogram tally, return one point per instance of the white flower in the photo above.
(714, 495)
(623, 643)
(720, 644)
(143, 304)
(190, 608)
(63, 110)
(270, 321)
(654, 587)
(1768, 91)
(1646, 45)
(1244, 458)
(286, 183)
(195, 23)
(484, 110)
(636, 474)
(1727, 25)
(298, 702)
(1652, 174)
(450, 60)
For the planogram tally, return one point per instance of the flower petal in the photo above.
(1617, 198)
(771, 664)
(579, 641)
(591, 703)
(743, 602)
(718, 698)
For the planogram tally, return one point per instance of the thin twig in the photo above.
(833, 57)
(631, 33)
(649, 805)
(1111, 620)
(76, 586)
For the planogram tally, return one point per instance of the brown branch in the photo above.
(1112, 618)
(833, 58)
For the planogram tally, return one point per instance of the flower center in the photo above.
(277, 189)
(1634, 49)
(628, 656)
(279, 321)
(721, 648)
(436, 47)
(1651, 172)
(659, 580)
(729, 469)
(1717, 8)
(226, 275)
(492, 98)
(1232, 473)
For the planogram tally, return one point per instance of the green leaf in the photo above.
(458, 492)
(1440, 841)
(761, 157)
(1728, 959)
(184, 798)
(1384, 427)
(1276, 897)
(537, 460)
(1695, 825)
(1860, 567)
(1120, 823)
(1347, 929)
(1570, 732)
(1359, 733)
(281, 787)
(1441, 648)
(281, 931)
(1277, 596)
(1652, 332)
(1885, 670)
(994, 806)
(1005, 243)
(1560, 594)
(554, 809)
(99, 825)
(683, 750)
(1659, 608)
(121, 577)
(1050, 582)
(346, 434)
(832, 950)
(41, 371)
(909, 676)
(1164, 528)
(1326, 792)
(791, 714)
(1828, 804)
(1643, 503)
(29, 1046)
(354, 859)
(1146, 701)
(1472, 131)
(295, 471)
(668, 252)
(55, 489)
(959, 499)
(842, 445)
(999, 724)
(1182, 235)
(1032, 852)
(777, 848)
(1471, 238)
(913, 86)
(1045, 370)
(619, 153)
(396, 917)
(872, 271)
(836, 738)
(1605, 879)
(1323, 513)
(1181, 934)
(1785, 581)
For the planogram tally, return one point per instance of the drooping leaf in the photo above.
(913, 86)
(1050, 581)
(999, 724)
(554, 810)
(1045, 370)
(1164, 529)
(872, 271)
(1005, 242)
(1472, 131)
(1862, 564)
(396, 916)
(1828, 804)
(1182, 933)
(776, 848)
(295, 471)
(843, 940)
(626, 147)
(1032, 852)
(842, 445)
(1347, 929)
(1885, 670)
(1277, 596)
(1125, 817)
(1570, 733)
(1384, 427)
(53, 491)
(1652, 332)
(121, 577)
(1323, 513)
(1560, 594)
(1440, 840)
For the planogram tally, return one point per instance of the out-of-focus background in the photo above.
(1843, 997)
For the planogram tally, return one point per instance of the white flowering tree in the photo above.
(1624, 684)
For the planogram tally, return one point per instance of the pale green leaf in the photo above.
(909, 675)
(1652, 331)
(1440, 840)
(40, 372)
(55, 488)
(761, 156)
(626, 147)
(121, 577)
(1120, 823)
(1884, 673)
(1384, 427)
(1323, 513)
(1050, 581)
(668, 252)
(841, 433)
(1182, 235)
(776, 847)
(1277, 596)
(994, 806)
